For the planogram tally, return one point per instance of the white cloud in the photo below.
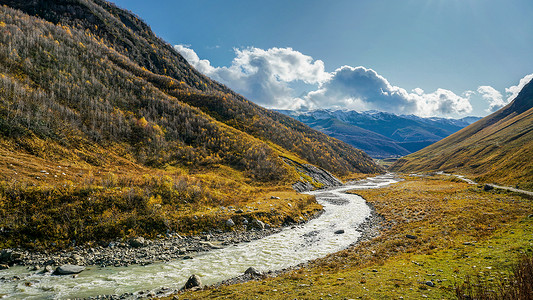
(360, 89)
(514, 90)
(494, 97)
(202, 65)
(265, 77)
(418, 91)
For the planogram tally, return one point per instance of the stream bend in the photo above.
(290, 247)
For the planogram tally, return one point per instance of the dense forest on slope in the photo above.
(158, 64)
(107, 132)
(496, 149)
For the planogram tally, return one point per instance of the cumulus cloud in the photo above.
(202, 65)
(496, 100)
(361, 89)
(514, 90)
(266, 77)
(263, 75)
(494, 97)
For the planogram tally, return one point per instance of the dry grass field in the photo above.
(437, 233)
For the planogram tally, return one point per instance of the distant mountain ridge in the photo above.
(497, 148)
(381, 134)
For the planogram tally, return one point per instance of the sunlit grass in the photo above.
(460, 231)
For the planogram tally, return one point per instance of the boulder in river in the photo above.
(340, 231)
(47, 269)
(4, 267)
(68, 270)
(193, 282)
(253, 272)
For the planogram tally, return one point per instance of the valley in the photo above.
(127, 165)
(280, 249)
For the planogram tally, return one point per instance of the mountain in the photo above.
(128, 44)
(497, 148)
(381, 134)
(106, 131)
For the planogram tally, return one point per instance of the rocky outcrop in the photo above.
(311, 177)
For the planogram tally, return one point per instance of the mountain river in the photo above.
(290, 247)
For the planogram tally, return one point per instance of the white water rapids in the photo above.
(287, 248)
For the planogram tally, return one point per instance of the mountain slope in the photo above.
(381, 134)
(169, 72)
(496, 149)
(107, 132)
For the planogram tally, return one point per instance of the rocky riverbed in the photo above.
(133, 251)
(162, 266)
(369, 229)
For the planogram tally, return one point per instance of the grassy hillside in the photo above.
(437, 234)
(106, 132)
(496, 149)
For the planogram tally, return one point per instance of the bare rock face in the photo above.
(318, 175)
(193, 282)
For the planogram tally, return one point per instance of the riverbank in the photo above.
(369, 229)
(346, 218)
(143, 251)
(438, 233)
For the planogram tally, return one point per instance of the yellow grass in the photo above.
(460, 231)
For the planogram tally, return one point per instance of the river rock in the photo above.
(487, 187)
(230, 223)
(68, 270)
(258, 224)
(8, 256)
(4, 267)
(78, 259)
(340, 231)
(253, 272)
(193, 282)
(137, 242)
(48, 269)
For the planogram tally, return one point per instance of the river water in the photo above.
(289, 247)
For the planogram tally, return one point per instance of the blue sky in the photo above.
(427, 57)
